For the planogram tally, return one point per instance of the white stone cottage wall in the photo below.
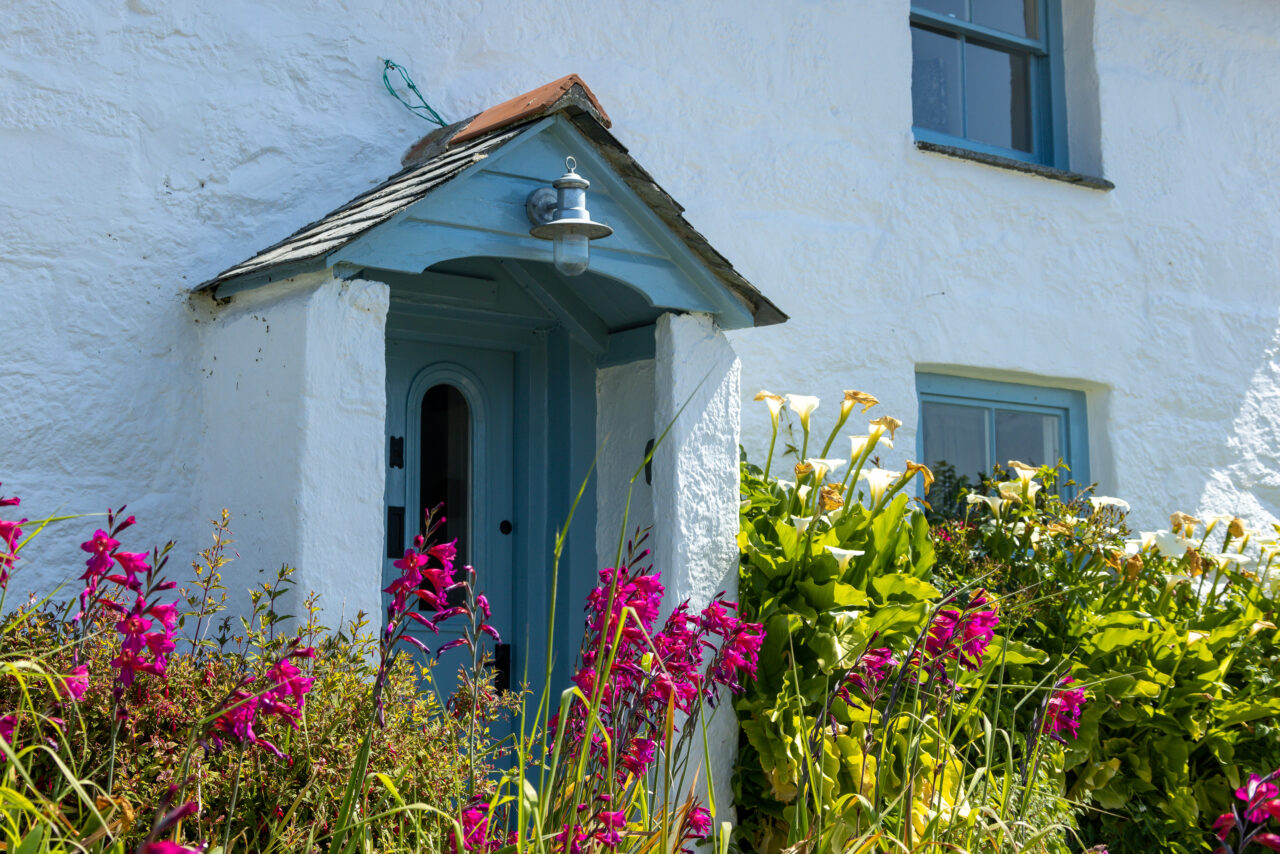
(148, 145)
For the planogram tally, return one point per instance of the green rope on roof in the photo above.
(423, 110)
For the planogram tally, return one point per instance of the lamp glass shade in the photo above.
(571, 253)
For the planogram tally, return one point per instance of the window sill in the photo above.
(1090, 181)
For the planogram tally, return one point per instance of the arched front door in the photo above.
(450, 439)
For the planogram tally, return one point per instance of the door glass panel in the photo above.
(1019, 17)
(446, 464)
(956, 435)
(997, 96)
(935, 81)
(954, 8)
(1033, 438)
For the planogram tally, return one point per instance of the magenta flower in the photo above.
(10, 533)
(700, 822)
(74, 684)
(166, 847)
(99, 547)
(867, 675)
(132, 563)
(7, 724)
(960, 636)
(1253, 793)
(1062, 713)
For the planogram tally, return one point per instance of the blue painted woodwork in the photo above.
(1070, 404)
(493, 308)
(1048, 107)
(481, 213)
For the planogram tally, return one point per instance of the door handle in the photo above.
(504, 527)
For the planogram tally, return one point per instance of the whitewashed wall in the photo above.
(148, 145)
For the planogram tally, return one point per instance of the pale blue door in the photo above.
(450, 439)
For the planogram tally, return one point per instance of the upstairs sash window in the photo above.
(986, 75)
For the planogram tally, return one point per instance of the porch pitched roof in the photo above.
(445, 153)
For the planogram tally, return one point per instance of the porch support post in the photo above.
(294, 402)
(695, 484)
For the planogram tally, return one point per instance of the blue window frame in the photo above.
(987, 75)
(974, 424)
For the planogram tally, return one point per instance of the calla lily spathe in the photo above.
(803, 406)
(822, 467)
(991, 501)
(860, 444)
(1100, 501)
(878, 480)
(887, 423)
(844, 556)
(775, 403)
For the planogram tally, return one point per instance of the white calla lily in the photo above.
(775, 403)
(878, 480)
(844, 556)
(1100, 501)
(1170, 544)
(1016, 490)
(821, 467)
(803, 406)
(992, 501)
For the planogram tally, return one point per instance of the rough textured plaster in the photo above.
(624, 424)
(695, 477)
(294, 398)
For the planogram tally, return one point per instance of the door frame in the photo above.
(554, 406)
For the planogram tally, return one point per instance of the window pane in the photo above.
(956, 435)
(446, 463)
(1019, 17)
(935, 81)
(954, 8)
(997, 96)
(1029, 437)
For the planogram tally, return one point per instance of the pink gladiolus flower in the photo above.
(7, 724)
(132, 563)
(1268, 840)
(960, 636)
(99, 548)
(867, 675)
(700, 822)
(1253, 793)
(166, 847)
(75, 683)
(1062, 714)
(1224, 824)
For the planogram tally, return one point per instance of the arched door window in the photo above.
(445, 463)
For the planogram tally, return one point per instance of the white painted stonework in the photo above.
(294, 399)
(146, 146)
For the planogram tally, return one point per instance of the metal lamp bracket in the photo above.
(541, 205)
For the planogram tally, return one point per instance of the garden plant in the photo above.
(1024, 676)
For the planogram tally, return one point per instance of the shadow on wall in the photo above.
(1250, 483)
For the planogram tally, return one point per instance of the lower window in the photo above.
(967, 426)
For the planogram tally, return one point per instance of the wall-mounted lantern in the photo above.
(561, 216)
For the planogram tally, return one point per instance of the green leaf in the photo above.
(899, 586)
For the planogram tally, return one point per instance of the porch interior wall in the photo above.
(625, 401)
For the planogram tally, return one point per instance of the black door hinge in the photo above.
(397, 452)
